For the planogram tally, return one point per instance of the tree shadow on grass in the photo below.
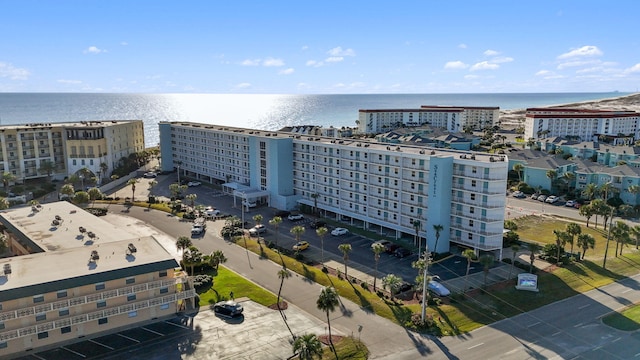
(309, 275)
(365, 304)
(400, 312)
(443, 318)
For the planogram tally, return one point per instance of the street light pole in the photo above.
(606, 249)
(425, 275)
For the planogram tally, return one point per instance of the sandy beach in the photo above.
(631, 102)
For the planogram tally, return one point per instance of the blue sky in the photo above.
(319, 47)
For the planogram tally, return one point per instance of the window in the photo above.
(130, 280)
(473, 196)
(162, 273)
(3, 345)
(62, 294)
(1, 325)
(133, 314)
(38, 298)
(131, 297)
(63, 312)
(164, 290)
(65, 330)
(103, 321)
(101, 303)
(164, 306)
(100, 286)
(472, 210)
(473, 183)
(43, 335)
(471, 223)
(470, 236)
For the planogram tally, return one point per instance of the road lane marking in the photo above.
(578, 325)
(475, 346)
(534, 324)
(617, 339)
(584, 306)
(556, 334)
(626, 291)
(512, 351)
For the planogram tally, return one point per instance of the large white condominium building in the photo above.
(586, 125)
(451, 118)
(373, 185)
(24, 149)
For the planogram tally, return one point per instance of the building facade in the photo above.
(68, 146)
(374, 185)
(63, 284)
(619, 127)
(454, 119)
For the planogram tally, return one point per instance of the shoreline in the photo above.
(630, 102)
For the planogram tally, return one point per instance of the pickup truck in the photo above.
(199, 226)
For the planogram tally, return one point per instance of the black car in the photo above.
(402, 252)
(390, 248)
(404, 287)
(316, 224)
(283, 213)
(228, 308)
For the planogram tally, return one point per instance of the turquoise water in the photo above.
(267, 112)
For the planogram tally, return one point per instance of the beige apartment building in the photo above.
(69, 146)
(65, 284)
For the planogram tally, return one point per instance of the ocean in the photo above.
(266, 112)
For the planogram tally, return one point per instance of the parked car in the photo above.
(552, 199)
(402, 252)
(257, 230)
(194, 183)
(438, 288)
(211, 212)
(295, 217)
(390, 248)
(339, 231)
(542, 198)
(535, 196)
(519, 194)
(405, 286)
(250, 204)
(570, 203)
(316, 224)
(228, 308)
(384, 243)
(301, 245)
(150, 175)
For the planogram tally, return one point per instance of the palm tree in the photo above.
(620, 232)
(518, 168)
(586, 241)
(7, 177)
(573, 230)
(377, 250)
(606, 189)
(438, 229)
(4, 203)
(346, 249)
(416, 226)
(533, 249)
(192, 199)
(275, 222)
(322, 232)
(183, 243)
(560, 235)
(471, 256)
(487, 261)
(133, 183)
(586, 211)
(282, 275)
(257, 219)
(590, 191)
(297, 231)
(315, 196)
(514, 251)
(68, 190)
(392, 282)
(103, 169)
(216, 258)
(308, 347)
(635, 190)
(552, 175)
(94, 194)
(635, 231)
(569, 177)
(327, 302)
(47, 167)
(192, 257)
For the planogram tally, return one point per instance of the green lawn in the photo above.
(627, 320)
(225, 281)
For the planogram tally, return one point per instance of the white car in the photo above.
(194, 183)
(295, 217)
(339, 231)
(150, 175)
(552, 199)
(570, 203)
(257, 230)
(250, 204)
(438, 288)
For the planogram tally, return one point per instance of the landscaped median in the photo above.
(625, 320)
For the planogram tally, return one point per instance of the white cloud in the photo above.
(455, 65)
(501, 60)
(314, 63)
(635, 68)
(471, 77)
(490, 53)
(484, 65)
(305, 47)
(462, 46)
(94, 50)
(334, 59)
(576, 63)
(543, 73)
(272, 62)
(124, 43)
(588, 50)
(251, 62)
(243, 85)
(13, 73)
(288, 71)
(64, 81)
(339, 52)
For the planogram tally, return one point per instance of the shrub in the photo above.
(364, 285)
(325, 270)
(200, 281)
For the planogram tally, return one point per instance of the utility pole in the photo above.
(425, 275)
(606, 249)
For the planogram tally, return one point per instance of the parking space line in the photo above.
(178, 325)
(101, 344)
(152, 331)
(73, 352)
(38, 356)
(129, 338)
